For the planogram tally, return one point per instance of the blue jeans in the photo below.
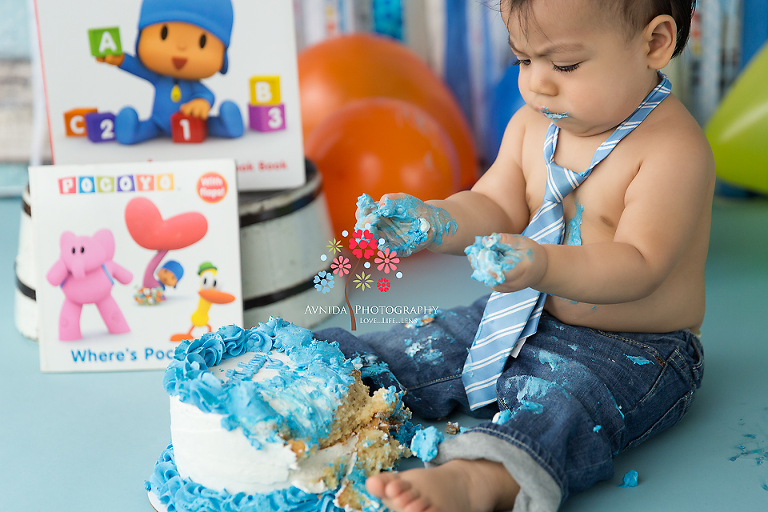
(575, 396)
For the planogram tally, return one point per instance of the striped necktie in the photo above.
(509, 318)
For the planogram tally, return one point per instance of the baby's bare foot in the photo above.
(459, 485)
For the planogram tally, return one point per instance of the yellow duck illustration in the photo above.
(208, 295)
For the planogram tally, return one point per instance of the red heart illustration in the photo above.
(149, 230)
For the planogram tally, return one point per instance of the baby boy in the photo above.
(606, 354)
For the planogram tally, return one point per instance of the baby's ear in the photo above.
(661, 38)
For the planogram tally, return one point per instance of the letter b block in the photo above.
(100, 126)
(265, 90)
(105, 41)
(188, 128)
(266, 118)
(74, 121)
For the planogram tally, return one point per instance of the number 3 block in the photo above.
(266, 118)
(188, 128)
(100, 126)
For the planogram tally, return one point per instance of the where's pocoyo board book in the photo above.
(131, 259)
(160, 80)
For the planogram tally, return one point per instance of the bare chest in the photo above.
(593, 210)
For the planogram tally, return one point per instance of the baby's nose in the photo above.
(540, 83)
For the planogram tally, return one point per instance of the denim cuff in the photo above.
(538, 490)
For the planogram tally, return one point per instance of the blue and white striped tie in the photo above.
(509, 318)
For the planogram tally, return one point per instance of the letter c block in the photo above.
(74, 121)
(188, 128)
(100, 126)
(266, 118)
(265, 90)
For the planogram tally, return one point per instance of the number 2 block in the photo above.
(188, 128)
(266, 118)
(100, 126)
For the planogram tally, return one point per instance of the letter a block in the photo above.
(266, 118)
(188, 128)
(100, 126)
(105, 41)
(74, 121)
(265, 90)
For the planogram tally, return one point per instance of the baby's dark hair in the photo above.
(636, 14)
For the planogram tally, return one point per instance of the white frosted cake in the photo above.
(270, 419)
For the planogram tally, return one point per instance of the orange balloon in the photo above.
(347, 68)
(378, 146)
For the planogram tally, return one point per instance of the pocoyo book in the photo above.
(131, 259)
(159, 80)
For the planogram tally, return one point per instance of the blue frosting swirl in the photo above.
(183, 495)
(308, 391)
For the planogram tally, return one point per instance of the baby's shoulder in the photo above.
(671, 129)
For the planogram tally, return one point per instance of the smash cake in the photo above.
(270, 419)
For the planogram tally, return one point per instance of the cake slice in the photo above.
(270, 419)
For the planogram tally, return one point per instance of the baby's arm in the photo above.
(662, 208)
(495, 204)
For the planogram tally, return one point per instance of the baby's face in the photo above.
(166, 277)
(180, 50)
(577, 66)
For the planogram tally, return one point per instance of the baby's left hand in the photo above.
(507, 263)
(197, 107)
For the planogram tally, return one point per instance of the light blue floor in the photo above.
(86, 442)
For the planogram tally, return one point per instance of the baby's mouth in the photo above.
(554, 115)
(179, 62)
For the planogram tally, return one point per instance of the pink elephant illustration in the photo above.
(85, 272)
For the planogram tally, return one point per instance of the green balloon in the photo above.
(738, 131)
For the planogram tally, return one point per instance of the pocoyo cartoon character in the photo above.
(180, 42)
(85, 271)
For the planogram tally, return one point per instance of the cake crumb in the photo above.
(452, 428)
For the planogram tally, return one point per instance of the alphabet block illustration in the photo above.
(74, 121)
(266, 118)
(188, 128)
(265, 90)
(100, 126)
(105, 41)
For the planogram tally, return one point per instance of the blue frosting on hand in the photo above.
(491, 260)
(425, 442)
(407, 224)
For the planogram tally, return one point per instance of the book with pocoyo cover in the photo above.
(131, 259)
(159, 80)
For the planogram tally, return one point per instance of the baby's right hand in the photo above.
(406, 223)
(115, 60)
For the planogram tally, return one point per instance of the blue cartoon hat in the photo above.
(175, 267)
(215, 16)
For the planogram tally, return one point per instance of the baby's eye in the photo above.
(566, 69)
(164, 33)
(523, 62)
(203, 40)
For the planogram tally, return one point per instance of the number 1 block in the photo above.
(105, 41)
(188, 128)
(266, 118)
(100, 126)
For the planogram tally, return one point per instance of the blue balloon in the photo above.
(505, 101)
